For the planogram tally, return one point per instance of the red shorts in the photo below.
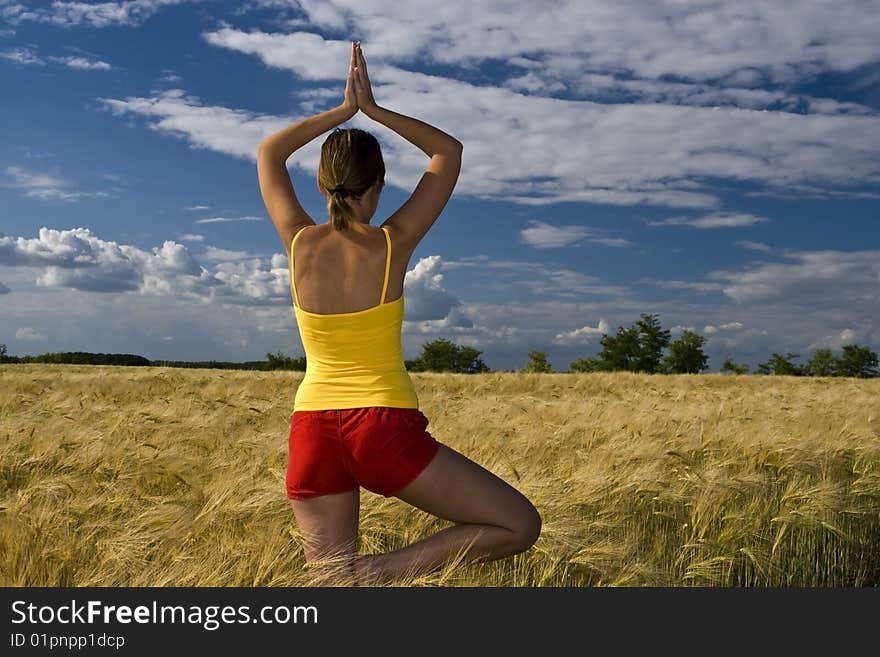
(381, 448)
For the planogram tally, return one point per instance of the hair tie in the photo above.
(338, 188)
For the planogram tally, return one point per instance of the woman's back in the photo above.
(343, 271)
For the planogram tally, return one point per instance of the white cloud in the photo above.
(30, 56)
(83, 64)
(582, 335)
(27, 333)
(538, 278)
(754, 246)
(542, 235)
(100, 14)
(731, 326)
(738, 43)
(194, 208)
(170, 77)
(216, 254)
(624, 154)
(426, 297)
(695, 286)
(847, 334)
(715, 220)
(191, 237)
(22, 56)
(44, 186)
(220, 220)
(80, 260)
(813, 279)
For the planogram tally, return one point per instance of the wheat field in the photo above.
(124, 476)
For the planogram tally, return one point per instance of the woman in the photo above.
(356, 419)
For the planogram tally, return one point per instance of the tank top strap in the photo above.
(292, 281)
(387, 263)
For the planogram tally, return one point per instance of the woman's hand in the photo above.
(350, 100)
(363, 90)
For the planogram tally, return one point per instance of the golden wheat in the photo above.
(123, 476)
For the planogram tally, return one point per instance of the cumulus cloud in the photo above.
(27, 333)
(582, 335)
(426, 298)
(714, 220)
(542, 235)
(80, 260)
(45, 186)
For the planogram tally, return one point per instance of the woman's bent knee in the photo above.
(527, 528)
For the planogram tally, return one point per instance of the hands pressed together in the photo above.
(358, 92)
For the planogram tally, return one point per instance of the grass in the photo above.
(123, 476)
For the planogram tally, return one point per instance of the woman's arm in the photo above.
(282, 144)
(432, 141)
(415, 217)
(281, 202)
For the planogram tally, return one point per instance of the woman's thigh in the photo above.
(328, 523)
(455, 488)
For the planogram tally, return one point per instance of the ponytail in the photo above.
(341, 213)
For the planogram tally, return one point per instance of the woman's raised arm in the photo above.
(276, 187)
(414, 218)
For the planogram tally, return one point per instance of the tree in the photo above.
(537, 362)
(729, 366)
(589, 364)
(443, 355)
(280, 361)
(686, 355)
(857, 361)
(781, 365)
(821, 364)
(621, 351)
(652, 339)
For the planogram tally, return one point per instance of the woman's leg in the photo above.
(329, 527)
(494, 519)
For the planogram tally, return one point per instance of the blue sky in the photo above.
(715, 163)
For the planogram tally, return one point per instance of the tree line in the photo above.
(644, 347)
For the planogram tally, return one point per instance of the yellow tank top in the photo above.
(353, 359)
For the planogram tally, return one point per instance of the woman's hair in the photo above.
(351, 163)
